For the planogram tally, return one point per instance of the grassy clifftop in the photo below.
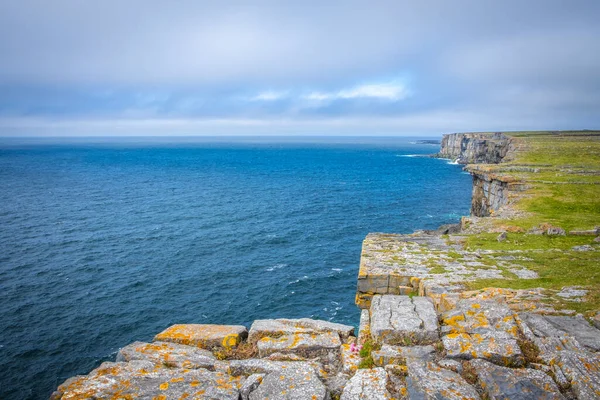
(560, 172)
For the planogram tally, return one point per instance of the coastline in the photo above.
(429, 323)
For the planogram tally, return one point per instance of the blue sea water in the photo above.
(108, 241)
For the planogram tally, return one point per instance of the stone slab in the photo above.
(203, 335)
(367, 384)
(278, 327)
(515, 383)
(582, 369)
(403, 320)
(168, 354)
(398, 354)
(296, 382)
(144, 379)
(302, 344)
(561, 326)
(428, 381)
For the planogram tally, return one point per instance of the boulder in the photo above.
(168, 354)
(406, 320)
(299, 381)
(302, 344)
(427, 380)
(144, 379)
(367, 384)
(203, 336)
(515, 383)
(278, 327)
(562, 327)
(250, 384)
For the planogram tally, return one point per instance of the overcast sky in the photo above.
(132, 67)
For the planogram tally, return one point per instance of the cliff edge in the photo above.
(503, 306)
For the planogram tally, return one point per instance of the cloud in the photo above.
(392, 91)
(269, 95)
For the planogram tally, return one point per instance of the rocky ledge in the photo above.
(423, 334)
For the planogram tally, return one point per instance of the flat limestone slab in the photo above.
(143, 379)
(303, 344)
(402, 320)
(203, 335)
(562, 326)
(278, 327)
(483, 329)
(296, 382)
(367, 384)
(582, 369)
(398, 354)
(515, 383)
(427, 380)
(168, 354)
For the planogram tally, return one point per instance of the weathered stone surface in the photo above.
(350, 358)
(364, 328)
(562, 326)
(204, 336)
(582, 369)
(452, 365)
(250, 384)
(398, 354)
(367, 384)
(298, 381)
(144, 379)
(515, 383)
(427, 380)
(403, 320)
(259, 366)
(278, 327)
(482, 329)
(302, 344)
(168, 354)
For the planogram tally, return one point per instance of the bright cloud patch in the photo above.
(392, 91)
(269, 95)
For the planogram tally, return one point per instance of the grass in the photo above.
(563, 175)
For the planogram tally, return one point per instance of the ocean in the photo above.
(107, 241)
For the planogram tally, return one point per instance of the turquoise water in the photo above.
(104, 241)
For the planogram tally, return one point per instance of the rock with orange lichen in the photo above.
(398, 354)
(262, 366)
(582, 369)
(397, 319)
(250, 385)
(144, 379)
(546, 326)
(367, 384)
(307, 345)
(278, 327)
(428, 381)
(515, 383)
(168, 354)
(350, 358)
(482, 329)
(204, 335)
(298, 381)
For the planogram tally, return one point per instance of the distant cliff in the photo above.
(475, 148)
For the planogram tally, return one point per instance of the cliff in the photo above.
(496, 311)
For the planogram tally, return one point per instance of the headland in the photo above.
(503, 304)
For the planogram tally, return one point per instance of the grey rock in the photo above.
(142, 379)
(168, 354)
(588, 232)
(203, 335)
(501, 237)
(562, 326)
(427, 380)
(259, 366)
(336, 384)
(250, 384)
(582, 369)
(350, 358)
(597, 239)
(364, 327)
(515, 384)
(302, 344)
(278, 327)
(585, 247)
(572, 293)
(555, 231)
(367, 384)
(389, 354)
(482, 329)
(285, 357)
(403, 320)
(298, 381)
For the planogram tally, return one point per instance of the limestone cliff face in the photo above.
(490, 191)
(475, 148)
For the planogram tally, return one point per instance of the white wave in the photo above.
(453, 162)
(337, 269)
(276, 266)
(408, 155)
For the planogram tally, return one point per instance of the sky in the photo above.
(192, 67)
